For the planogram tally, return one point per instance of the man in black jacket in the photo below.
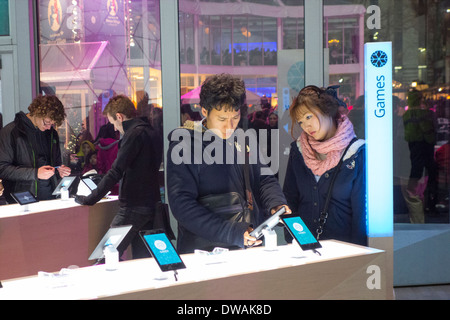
(136, 167)
(30, 151)
(193, 176)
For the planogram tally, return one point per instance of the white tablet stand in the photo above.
(64, 193)
(270, 239)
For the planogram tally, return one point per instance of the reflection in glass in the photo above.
(247, 46)
(90, 51)
(418, 33)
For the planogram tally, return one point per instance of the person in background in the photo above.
(107, 144)
(273, 120)
(188, 114)
(443, 165)
(191, 183)
(2, 198)
(79, 160)
(91, 162)
(30, 155)
(136, 167)
(420, 134)
(312, 162)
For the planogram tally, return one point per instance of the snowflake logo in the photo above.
(296, 76)
(378, 58)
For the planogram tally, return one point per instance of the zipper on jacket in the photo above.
(34, 166)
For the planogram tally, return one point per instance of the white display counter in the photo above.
(343, 271)
(51, 235)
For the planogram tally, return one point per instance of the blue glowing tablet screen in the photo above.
(162, 248)
(300, 230)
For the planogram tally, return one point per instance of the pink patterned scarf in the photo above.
(332, 147)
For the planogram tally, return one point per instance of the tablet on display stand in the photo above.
(86, 186)
(63, 186)
(301, 233)
(24, 199)
(113, 237)
(269, 224)
(163, 251)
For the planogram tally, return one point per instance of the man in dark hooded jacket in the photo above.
(30, 151)
(198, 168)
(136, 168)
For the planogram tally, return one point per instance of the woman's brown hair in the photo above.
(318, 101)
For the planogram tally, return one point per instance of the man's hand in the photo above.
(275, 209)
(250, 241)
(45, 172)
(64, 171)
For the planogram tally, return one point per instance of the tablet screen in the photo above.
(113, 236)
(91, 184)
(162, 250)
(64, 183)
(24, 198)
(298, 229)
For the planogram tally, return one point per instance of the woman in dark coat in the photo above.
(312, 162)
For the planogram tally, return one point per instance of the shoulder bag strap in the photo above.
(324, 213)
(248, 189)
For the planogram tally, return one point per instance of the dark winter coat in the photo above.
(190, 180)
(306, 196)
(20, 146)
(136, 167)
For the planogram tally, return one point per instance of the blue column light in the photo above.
(378, 117)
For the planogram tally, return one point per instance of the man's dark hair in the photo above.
(222, 91)
(120, 104)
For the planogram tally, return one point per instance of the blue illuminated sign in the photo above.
(378, 116)
(244, 46)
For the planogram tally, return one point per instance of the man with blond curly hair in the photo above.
(30, 151)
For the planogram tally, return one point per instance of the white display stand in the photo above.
(342, 271)
(51, 235)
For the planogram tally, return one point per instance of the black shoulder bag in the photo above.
(231, 206)
(324, 213)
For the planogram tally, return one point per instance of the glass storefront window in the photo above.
(258, 47)
(225, 40)
(341, 38)
(240, 40)
(293, 34)
(90, 51)
(220, 46)
(186, 39)
(418, 31)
